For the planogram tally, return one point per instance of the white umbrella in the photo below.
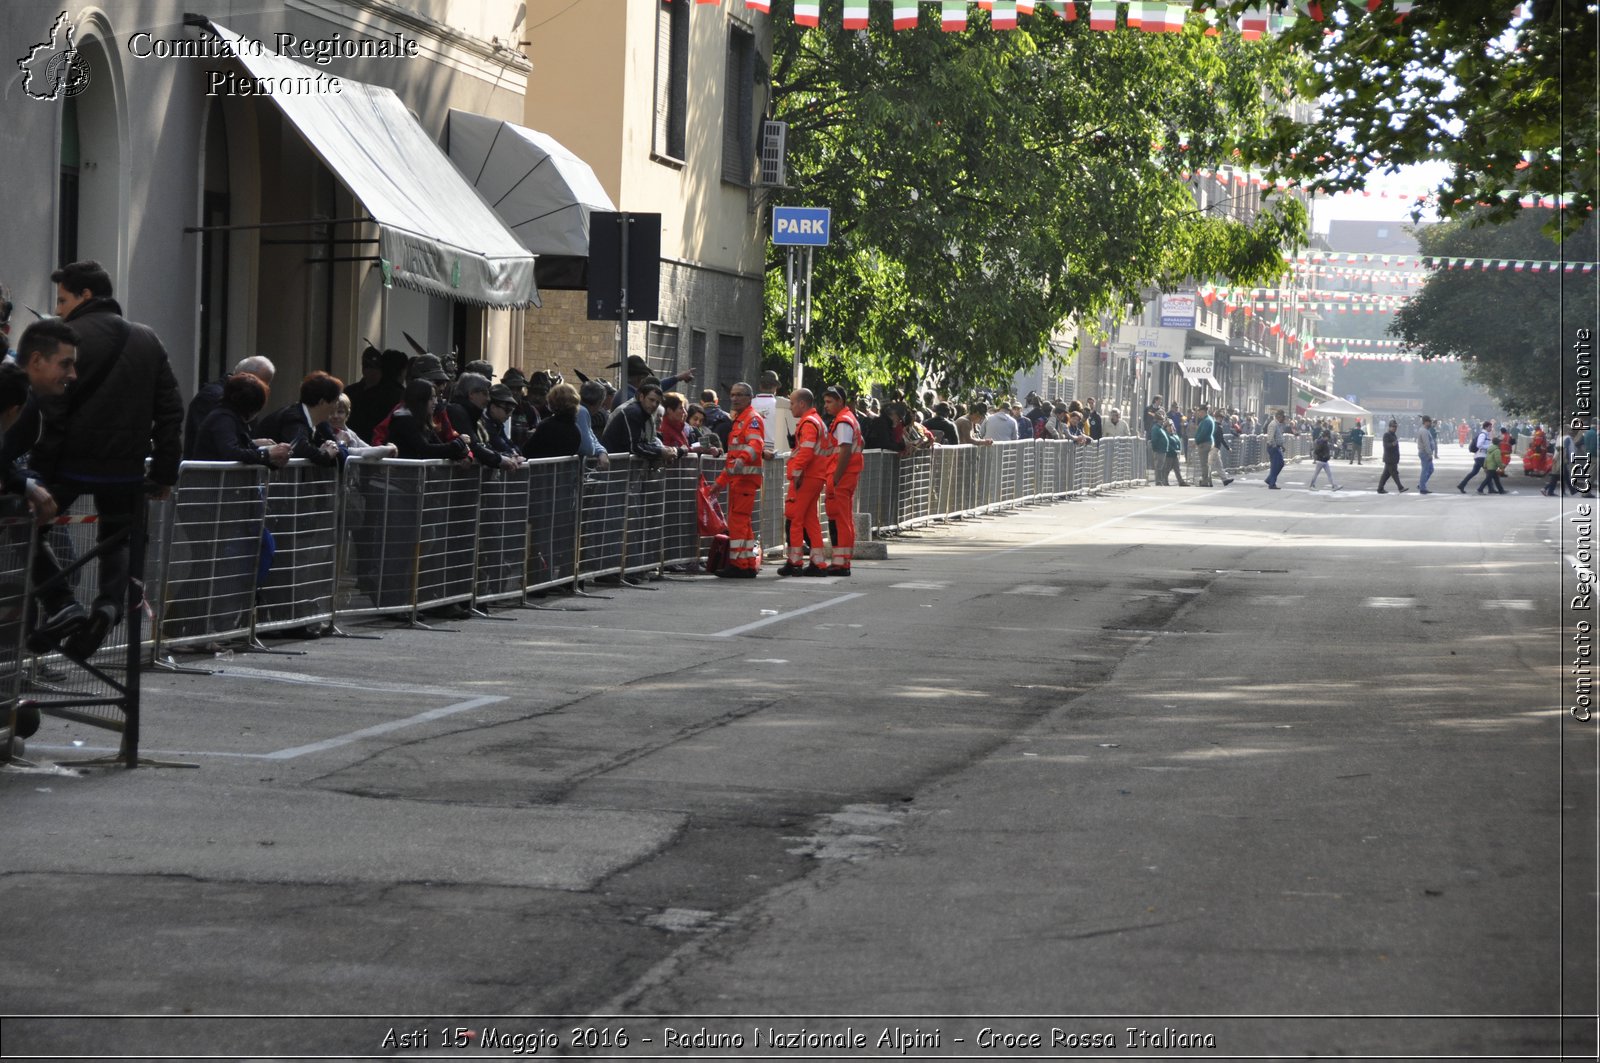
(1336, 408)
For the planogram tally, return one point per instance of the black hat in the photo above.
(637, 366)
(514, 378)
(539, 381)
(835, 391)
(371, 356)
(500, 395)
(482, 368)
(428, 367)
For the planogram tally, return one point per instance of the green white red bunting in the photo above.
(1104, 15)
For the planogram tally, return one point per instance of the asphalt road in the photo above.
(1289, 770)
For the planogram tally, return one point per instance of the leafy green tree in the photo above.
(987, 186)
(1503, 91)
(1511, 329)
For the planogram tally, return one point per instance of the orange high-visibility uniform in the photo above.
(841, 499)
(742, 477)
(807, 468)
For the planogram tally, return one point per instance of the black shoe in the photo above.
(1381, 491)
(57, 626)
(1403, 490)
(838, 570)
(791, 570)
(1463, 490)
(1274, 487)
(814, 570)
(1225, 483)
(83, 644)
(730, 572)
(27, 721)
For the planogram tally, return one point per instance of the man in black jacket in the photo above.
(631, 428)
(206, 399)
(304, 424)
(125, 408)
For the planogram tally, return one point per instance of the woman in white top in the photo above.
(353, 444)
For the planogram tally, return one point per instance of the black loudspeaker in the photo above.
(605, 266)
(1275, 389)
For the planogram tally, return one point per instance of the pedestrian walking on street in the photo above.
(1205, 440)
(1354, 439)
(1427, 449)
(742, 477)
(1276, 431)
(843, 474)
(805, 472)
(1479, 447)
(1391, 459)
(1494, 464)
(1321, 452)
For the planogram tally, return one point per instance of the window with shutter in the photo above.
(661, 350)
(672, 78)
(730, 360)
(738, 118)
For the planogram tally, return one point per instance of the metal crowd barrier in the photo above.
(214, 554)
(554, 505)
(772, 531)
(383, 537)
(603, 519)
(680, 534)
(646, 519)
(503, 536)
(16, 564)
(302, 515)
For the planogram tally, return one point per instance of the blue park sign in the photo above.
(801, 226)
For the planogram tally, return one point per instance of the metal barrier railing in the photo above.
(680, 533)
(503, 535)
(302, 514)
(383, 533)
(603, 514)
(554, 505)
(214, 554)
(646, 519)
(16, 565)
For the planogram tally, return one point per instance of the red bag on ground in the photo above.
(717, 555)
(709, 512)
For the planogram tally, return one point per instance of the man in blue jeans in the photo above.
(1276, 431)
(1427, 447)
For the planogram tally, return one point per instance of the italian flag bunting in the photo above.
(1252, 25)
(807, 12)
(905, 14)
(1103, 15)
(1004, 15)
(953, 15)
(855, 14)
(1136, 15)
(763, 6)
(1025, 7)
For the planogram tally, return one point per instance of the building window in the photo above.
(697, 359)
(672, 78)
(661, 349)
(738, 111)
(730, 361)
(67, 223)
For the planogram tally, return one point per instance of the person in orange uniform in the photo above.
(845, 462)
(806, 471)
(741, 475)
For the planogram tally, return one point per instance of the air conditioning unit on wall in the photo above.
(774, 135)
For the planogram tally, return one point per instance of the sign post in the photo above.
(794, 228)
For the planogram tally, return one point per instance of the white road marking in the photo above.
(1524, 604)
(314, 747)
(741, 629)
(1389, 603)
(384, 728)
(1037, 589)
(925, 585)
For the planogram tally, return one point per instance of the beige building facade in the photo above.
(664, 100)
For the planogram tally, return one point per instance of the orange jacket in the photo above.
(810, 441)
(745, 440)
(850, 452)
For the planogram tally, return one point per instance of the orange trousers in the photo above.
(841, 509)
(800, 515)
(743, 549)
